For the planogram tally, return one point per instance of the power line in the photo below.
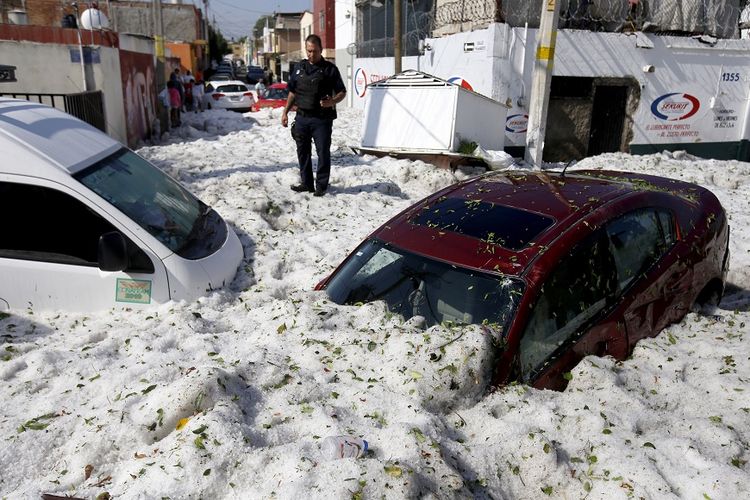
(252, 11)
(233, 24)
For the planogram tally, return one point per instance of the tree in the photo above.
(260, 24)
(217, 44)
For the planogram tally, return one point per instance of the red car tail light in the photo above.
(248, 94)
(217, 96)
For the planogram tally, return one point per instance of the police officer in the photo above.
(315, 87)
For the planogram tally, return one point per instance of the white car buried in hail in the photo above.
(89, 225)
(232, 94)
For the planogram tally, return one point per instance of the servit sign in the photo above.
(675, 106)
(461, 82)
(517, 124)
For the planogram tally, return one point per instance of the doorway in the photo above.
(607, 119)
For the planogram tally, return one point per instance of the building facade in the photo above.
(282, 46)
(324, 25)
(634, 76)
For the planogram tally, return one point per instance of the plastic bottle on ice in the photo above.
(334, 447)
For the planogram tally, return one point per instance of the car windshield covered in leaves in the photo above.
(412, 285)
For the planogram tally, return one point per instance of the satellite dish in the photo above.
(94, 19)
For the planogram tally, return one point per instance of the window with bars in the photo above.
(375, 26)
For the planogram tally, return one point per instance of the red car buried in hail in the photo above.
(274, 97)
(558, 266)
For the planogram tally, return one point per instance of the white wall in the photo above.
(345, 35)
(472, 58)
(500, 62)
(136, 43)
(345, 26)
(44, 68)
(680, 66)
(305, 27)
(108, 79)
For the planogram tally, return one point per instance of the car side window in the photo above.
(666, 220)
(580, 287)
(43, 224)
(637, 241)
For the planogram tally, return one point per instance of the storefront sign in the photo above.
(675, 106)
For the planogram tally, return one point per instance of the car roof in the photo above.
(280, 85)
(531, 208)
(64, 142)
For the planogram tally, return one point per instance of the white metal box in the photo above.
(414, 111)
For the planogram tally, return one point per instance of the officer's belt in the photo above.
(312, 113)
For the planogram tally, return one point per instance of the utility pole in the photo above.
(541, 81)
(159, 43)
(397, 35)
(80, 47)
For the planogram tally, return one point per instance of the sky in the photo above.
(236, 18)
(231, 395)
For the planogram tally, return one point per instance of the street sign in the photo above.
(7, 74)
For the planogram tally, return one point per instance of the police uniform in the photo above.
(310, 83)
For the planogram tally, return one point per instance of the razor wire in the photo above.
(719, 18)
(461, 11)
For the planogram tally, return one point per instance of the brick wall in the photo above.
(326, 32)
(46, 12)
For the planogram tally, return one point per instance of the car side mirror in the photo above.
(112, 252)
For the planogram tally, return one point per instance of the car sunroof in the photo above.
(506, 226)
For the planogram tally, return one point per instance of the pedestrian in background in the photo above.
(260, 89)
(198, 93)
(177, 82)
(187, 83)
(315, 87)
(166, 102)
(175, 103)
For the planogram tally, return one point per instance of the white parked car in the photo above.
(90, 225)
(233, 95)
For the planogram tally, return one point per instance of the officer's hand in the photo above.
(327, 102)
(284, 120)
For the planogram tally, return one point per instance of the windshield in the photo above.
(157, 203)
(277, 93)
(412, 285)
(232, 88)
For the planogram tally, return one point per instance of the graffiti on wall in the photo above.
(139, 90)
